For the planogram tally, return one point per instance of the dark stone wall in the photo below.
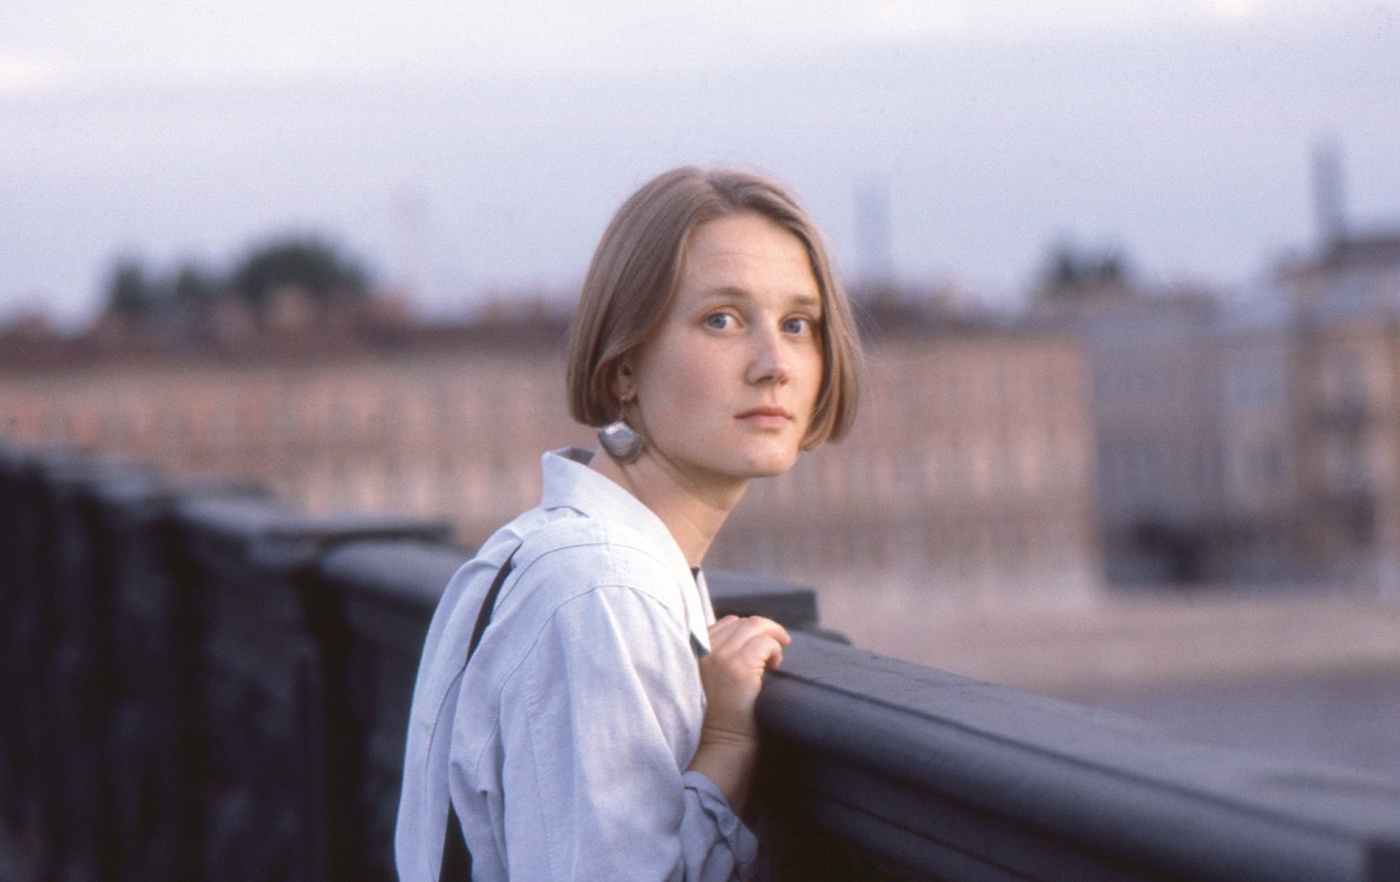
(200, 683)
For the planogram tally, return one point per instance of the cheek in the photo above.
(668, 405)
(707, 363)
(695, 382)
(678, 380)
(812, 373)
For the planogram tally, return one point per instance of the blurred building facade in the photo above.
(970, 472)
(1248, 441)
(1153, 401)
(1255, 531)
(1346, 303)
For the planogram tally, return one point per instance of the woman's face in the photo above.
(726, 387)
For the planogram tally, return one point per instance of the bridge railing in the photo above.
(199, 683)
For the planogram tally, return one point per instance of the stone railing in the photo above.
(199, 683)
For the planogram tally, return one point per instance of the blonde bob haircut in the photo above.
(636, 269)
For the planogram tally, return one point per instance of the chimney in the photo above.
(1329, 200)
(873, 240)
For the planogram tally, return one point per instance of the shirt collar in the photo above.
(569, 482)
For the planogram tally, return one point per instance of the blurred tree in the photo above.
(130, 292)
(315, 272)
(1072, 270)
(194, 289)
(311, 264)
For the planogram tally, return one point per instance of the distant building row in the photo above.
(1108, 434)
(970, 471)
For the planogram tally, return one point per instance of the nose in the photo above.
(770, 361)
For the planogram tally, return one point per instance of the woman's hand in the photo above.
(732, 674)
(741, 649)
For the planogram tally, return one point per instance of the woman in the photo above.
(605, 728)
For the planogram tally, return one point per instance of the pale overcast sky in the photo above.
(475, 145)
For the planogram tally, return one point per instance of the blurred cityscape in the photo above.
(1111, 433)
(1013, 477)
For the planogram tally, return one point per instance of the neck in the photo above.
(692, 512)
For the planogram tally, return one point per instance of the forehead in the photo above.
(746, 251)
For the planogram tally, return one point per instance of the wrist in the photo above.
(742, 733)
(728, 762)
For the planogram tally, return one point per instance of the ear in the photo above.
(624, 384)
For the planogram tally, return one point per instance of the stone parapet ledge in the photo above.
(876, 765)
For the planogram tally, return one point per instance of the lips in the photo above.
(767, 417)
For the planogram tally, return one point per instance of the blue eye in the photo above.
(797, 325)
(719, 321)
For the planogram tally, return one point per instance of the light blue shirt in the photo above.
(565, 742)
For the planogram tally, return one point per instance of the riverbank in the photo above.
(1308, 676)
(1132, 640)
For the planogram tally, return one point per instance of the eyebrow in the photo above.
(723, 291)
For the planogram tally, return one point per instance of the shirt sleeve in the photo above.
(598, 724)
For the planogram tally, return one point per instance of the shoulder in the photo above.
(588, 553)
(579, 585)
(578, 566)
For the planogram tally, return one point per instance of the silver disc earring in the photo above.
(621, 441)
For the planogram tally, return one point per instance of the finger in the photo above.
(761, 651)
(724, 626)
(767, 627)
(733, 640)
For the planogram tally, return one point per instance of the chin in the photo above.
(770, 465)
